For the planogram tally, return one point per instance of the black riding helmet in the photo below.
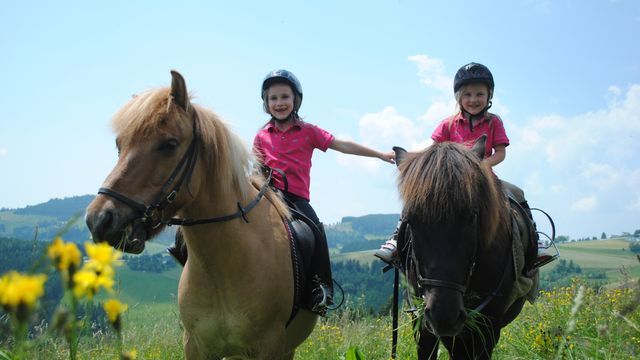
(282, 77)
(473, 73)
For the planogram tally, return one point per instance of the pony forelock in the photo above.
(447, 181)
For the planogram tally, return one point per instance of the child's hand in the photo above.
(389, 157)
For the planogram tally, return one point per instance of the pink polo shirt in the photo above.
(291, 151)
(459, 132)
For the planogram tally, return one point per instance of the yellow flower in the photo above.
(64, 254)
(101, 255)
(130, 355)
(114, 308)
(87, 282)
(17, 289)
(84, 284)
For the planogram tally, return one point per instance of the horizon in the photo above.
(593, 237)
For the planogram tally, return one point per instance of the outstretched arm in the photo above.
(499, 153)
(350, 147)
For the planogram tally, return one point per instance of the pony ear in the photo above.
(401, 154)
(179, 90)
(479, 145)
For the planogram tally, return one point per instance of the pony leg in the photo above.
(474, 345)
(427, 346)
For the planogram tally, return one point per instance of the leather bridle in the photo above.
(413, 264)
(151, 215)
(412, 270)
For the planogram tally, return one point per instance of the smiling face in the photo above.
(280, 99)
(474, 98)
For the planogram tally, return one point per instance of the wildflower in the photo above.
(114, 308)
(130, 355)
(17, 289)
(101, 256)
(88, 282)
(64, 255)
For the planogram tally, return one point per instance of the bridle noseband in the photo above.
(422, 282)
(151, 215)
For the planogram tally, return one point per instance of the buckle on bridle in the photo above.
(152, 217)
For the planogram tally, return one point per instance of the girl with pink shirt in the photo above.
(286, 143)
(473, 88)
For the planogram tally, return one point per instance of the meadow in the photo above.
(579, 321)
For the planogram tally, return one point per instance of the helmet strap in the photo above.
(482, 113)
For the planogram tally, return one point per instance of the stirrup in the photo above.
(320, 307)
(544, 260)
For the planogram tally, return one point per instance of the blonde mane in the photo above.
(446, 183)
(224, 152)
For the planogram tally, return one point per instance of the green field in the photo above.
(611, 255)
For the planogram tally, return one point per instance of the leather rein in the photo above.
(151, 215)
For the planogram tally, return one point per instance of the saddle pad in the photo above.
(524, 286)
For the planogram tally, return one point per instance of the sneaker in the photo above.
(388, 251)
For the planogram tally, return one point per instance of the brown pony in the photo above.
(180, 164)
(456, 250)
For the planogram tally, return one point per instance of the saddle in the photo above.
(303, 234)
(524, 249)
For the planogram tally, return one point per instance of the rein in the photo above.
(241, 213)
(151, 215)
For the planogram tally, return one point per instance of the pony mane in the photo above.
(447, 182)
(224, 152)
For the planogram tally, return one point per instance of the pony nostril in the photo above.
(100, 222)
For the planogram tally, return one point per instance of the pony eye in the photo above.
(168, 146)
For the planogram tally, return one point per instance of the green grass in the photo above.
(147, 288)
(363, 257)
(542, 331)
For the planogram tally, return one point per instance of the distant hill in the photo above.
(374, 224)
(61, 209)
(44, 221)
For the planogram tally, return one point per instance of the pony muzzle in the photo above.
(444, 315)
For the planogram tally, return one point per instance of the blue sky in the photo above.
(378, 72)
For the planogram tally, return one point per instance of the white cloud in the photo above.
(615, 90)
(601, 175)
(366, 164)
(4, 152)
(431, 73)
(588, 203)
